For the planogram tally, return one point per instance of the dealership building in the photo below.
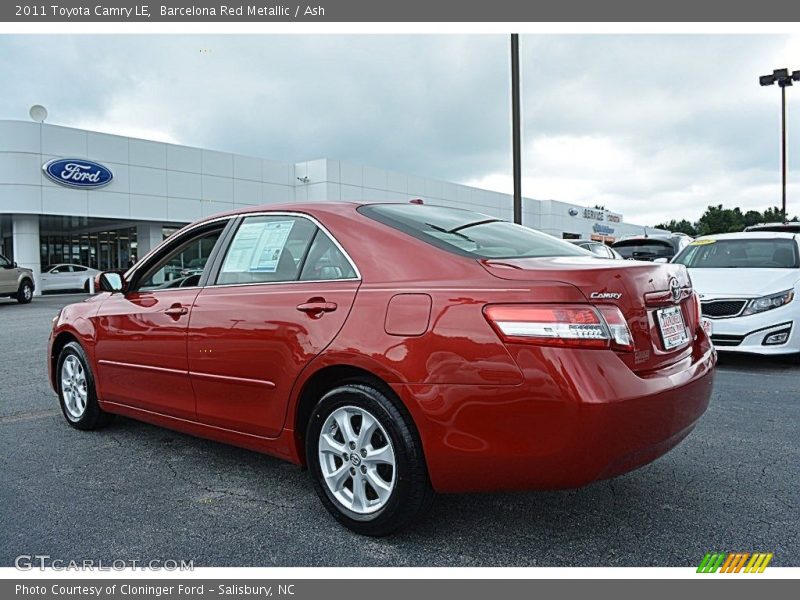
(77, 196)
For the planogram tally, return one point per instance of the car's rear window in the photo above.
(740, 254)
(469, 233)
(644, 248)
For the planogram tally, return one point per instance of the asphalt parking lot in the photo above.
(134, 491)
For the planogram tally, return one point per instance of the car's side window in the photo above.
(4, 262)
(267, 249)
(182, 266)
(325, 261)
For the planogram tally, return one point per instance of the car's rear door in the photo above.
(280, 293)
(142, 333)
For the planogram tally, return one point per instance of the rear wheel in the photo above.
(366, 460)
(76, 390)
(25, 292)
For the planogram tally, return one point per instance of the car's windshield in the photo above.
(469, 233)
(644, 248)
(740, 254)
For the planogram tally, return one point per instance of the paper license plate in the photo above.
(673, 329)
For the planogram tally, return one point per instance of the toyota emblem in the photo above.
(675, 289)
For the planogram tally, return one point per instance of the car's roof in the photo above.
(750, 235)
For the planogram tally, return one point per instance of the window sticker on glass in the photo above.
(270, 246)
(258, 246)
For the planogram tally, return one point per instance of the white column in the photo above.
(148, 236)
(25, 238)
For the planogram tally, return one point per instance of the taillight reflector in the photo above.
(561, 325)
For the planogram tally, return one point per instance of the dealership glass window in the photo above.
(182, 266)
(6, 238)
(104, 250)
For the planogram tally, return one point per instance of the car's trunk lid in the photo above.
(639, 289)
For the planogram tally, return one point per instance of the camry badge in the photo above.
(605, 295)
(675, 288)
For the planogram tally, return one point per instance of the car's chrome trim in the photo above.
(244, 216)
(230, 379)
(115, 363)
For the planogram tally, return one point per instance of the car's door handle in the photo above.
(317, 306)
(176, 310)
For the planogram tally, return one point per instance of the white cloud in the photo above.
(654, 126)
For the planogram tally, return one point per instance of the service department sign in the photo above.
(77, 173)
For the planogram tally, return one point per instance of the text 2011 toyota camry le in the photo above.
(395, 350)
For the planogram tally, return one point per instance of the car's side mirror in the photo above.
(109, 282)
(16, 266)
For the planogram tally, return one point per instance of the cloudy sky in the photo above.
(652, 126)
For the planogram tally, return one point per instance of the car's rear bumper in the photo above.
(582, 415)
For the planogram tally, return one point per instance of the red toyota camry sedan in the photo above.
(396, 350)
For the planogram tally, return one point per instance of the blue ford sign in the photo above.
(77, 173)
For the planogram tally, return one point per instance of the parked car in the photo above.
(749, 284)
(655, 247)
(787, 227)
(598, 248)
(64, 277)
(15, 281)
(395, 350)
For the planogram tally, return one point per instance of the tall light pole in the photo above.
(784, 80)
(516, 128)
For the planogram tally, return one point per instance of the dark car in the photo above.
(656, 247)
(598, 248)
(395, 350)
(787, 227)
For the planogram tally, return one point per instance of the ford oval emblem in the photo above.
(77, 173)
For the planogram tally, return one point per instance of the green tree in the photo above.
(682, 226)
(718, 219)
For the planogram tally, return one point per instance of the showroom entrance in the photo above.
(99, 244)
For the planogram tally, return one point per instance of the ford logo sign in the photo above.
(573, 212)
(77, 173)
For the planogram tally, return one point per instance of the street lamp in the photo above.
(784, 79)
(516, 128)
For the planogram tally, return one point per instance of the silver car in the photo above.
(15, 282)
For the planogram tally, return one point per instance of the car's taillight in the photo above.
(698, 308)
(571, 325)
(621, 338)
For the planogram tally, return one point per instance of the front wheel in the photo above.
(366, 460)
(76, 390)
(25, 292)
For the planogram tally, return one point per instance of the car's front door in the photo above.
(280, 294)
(8, 276)
(141, 334)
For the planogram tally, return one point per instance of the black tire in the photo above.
(86, 286)
(93, 416)
(412, 493)
(25, 292)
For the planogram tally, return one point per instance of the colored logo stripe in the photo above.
(734, 562)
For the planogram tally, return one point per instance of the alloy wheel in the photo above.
(357, 460)
(73, 387)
